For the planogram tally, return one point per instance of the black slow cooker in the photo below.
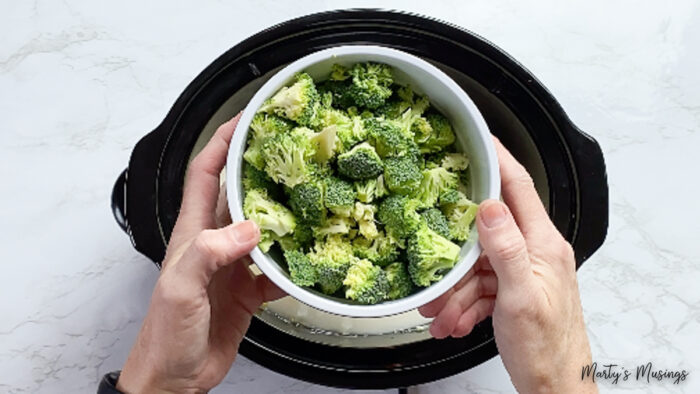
(566, 164)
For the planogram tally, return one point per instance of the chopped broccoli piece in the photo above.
(299, 102)
(339, 91)
(441, 136)
(339, 72)
(366, 283)
(349, 129)
(436, 221)
(429, 254)
(402, 175)
(389, 139)
(449, 197)
(455, 162)
(400, 284)
(434, 183)
(301, 270)
(273, 218)
(263, 126)
(257, 179)
(360, 162)
(306, 200)
(364, 216)
(399, 216)
(339, 197)
(334, 225)
(326, 144)
(332, 259)
(287, 157)
(460, 215)
(381, 250)
(370, 84)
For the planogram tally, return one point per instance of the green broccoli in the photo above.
(381, 250)
(399, 216)
(301, 270)
(334, 225)
(306, 200)
(366, 283)
(339, 196)
(436, 221)
(360, 162)
(434, 182)
(287, 157)
(455, 162)
(389, 139)
(460, 215)
(273, 218)
(441, 135)
(400, 284)
(263, 126)
(299, 102)
(332, 258)
(364, 216)
(257, 179)
(402, 175)
(428, 255)
(370, 84)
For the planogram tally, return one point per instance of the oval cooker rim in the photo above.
(374, 367)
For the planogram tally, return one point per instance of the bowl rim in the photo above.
(271, 269)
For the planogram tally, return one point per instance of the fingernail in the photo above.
(493, 215)
(245, 232)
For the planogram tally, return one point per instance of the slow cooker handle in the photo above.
(119, 201)
(593, 191)
(135, 193)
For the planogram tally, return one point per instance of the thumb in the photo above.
(504, 245)
(213, 249)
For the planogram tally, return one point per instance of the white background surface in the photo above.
(81, 82)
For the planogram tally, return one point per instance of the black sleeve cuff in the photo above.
(108, 384)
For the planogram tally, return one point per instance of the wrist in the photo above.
(135, 380)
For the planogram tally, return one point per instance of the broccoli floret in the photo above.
(326, 144)
(287, 157)
(301, 270)
(436, 221)
(366, 283)
(257, 179)
(389, 139)
(303, 236)
(299, 102)
(400, 284)
(429, 254)
(381, 250)
(360, 162)
(332, 259)
(364, 216)
(273, 218)
(435, 182)
(263, 126)
(267, 239)
(399, 216)
(441, 135)
(455, 162)
(334, 225)
(449, 197)
(339, 72)
(339, 197)
(460, 215)
(349, 129)
(402, 175)
(370, 84)
(339, 91)
(306, 200)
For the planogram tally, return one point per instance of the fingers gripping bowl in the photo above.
(472, 138)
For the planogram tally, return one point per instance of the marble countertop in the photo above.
(82, 81)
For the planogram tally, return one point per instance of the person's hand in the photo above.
(526, 279)
(204, 299)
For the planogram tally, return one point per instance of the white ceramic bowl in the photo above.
(473, 138)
